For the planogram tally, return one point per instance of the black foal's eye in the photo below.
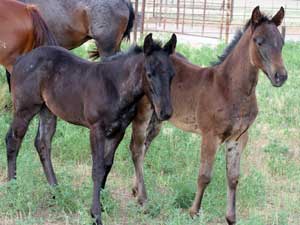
(258, 41)
(149, 74)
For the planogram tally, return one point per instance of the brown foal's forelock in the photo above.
(218, 103)
(103, 97)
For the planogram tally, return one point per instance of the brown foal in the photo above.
(217, 102)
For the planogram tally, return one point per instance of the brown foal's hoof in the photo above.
(193, 213)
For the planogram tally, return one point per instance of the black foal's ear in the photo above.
(256, 15)
(148, 44)
(171, 45)
(277, 19)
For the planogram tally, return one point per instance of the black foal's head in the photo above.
(159, 74)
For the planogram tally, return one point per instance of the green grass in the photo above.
(269, 188)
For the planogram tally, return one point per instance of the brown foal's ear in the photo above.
(148, 44)
(256, 15)
(277, 19)
(171, 45)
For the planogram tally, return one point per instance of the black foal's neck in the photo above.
(130, 88)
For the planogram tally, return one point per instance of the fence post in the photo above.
(136, 6)
(228, 18)
(177, 16)
(143, 17)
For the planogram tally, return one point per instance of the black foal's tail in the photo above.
(43, 36)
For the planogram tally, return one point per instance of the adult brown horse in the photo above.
(100, 96)
(74, 22)
(217, 102)
(22, 29)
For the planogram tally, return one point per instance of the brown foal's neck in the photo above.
(237, 69)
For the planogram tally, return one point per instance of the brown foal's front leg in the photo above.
(97, 140)
(46, 130)
(137, 148)
(234, 149)
(209, 146)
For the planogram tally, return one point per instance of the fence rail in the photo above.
(217, 19)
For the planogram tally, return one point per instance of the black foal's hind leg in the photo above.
(46, 130)
(8, 80)
(14, 137)
(110, 148)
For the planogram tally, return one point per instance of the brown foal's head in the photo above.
(159, 73)
(266, 46)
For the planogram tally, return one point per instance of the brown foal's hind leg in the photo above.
(234, 150)
(97, 140)
(46, 130)
(14, 137)
(209, 146)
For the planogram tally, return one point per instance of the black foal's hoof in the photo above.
(96, 218)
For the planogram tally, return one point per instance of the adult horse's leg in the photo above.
(234, 151)
(46, 130)
(108, 39)
(8, 79)
(209, 147)
(97, 140)
(15, 136)
(110, 149)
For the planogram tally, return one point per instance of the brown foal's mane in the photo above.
(238, 35)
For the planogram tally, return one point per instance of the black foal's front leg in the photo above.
(111, 146)
(46, 130)
(97, 140)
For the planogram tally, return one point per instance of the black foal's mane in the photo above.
(133, 50)
(238, 35)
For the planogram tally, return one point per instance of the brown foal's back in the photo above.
(217, 102)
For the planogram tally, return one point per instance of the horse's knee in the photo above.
(204, 179)
(8, 136)
(233, 181)
(39, 145)
(17, 132)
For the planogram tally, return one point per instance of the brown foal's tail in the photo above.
(43, 36)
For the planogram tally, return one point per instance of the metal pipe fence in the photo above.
(217, 19)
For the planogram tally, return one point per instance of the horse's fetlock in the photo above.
(233, 180)
(231, 219)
